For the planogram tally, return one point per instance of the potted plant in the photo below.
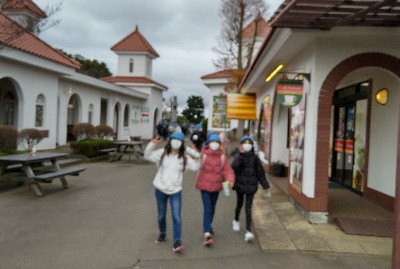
(277, 169)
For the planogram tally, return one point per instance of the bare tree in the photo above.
(236, 14)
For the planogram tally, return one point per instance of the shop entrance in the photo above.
(349, 136)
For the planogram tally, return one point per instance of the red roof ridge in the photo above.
(21, 4)
(227, 73)
(30, 43)
(135, 41)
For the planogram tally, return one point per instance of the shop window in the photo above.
(40, 104)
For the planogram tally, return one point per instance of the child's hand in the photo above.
(231, 184)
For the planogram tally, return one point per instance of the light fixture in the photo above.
(382, 96)
(277, 69)
(68, 90)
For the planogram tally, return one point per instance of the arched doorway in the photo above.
(8, 103)
(117, 110)
(73, 115)
(328, 89)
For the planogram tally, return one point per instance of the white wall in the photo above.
(142, 65)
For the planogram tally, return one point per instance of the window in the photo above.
(126, 116)
(9, 109)
(90, 116)
(40, 103)
(131, 66)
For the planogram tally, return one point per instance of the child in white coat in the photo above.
(172, 162)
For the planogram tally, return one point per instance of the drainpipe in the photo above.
(396, 226)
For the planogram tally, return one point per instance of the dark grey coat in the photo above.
(248, 172)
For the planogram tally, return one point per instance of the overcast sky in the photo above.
(183, 32)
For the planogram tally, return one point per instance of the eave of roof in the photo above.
(219, 74)
(129, 79)
(14, 36)
(15, 5)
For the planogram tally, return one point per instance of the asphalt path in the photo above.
(107, 219)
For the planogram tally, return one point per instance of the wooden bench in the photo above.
(63, 172)
(113, 153)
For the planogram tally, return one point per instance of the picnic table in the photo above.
(29, 163)
(131, 148)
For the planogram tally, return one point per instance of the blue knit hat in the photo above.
(174, 123)
(214, 137)
(246, 137)
(199, 126)
(178, 135)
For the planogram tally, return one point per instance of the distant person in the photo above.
(249, 172)
(215, 169)
(197, 137)
(172, 162)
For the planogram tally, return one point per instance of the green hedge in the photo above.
(90, 148)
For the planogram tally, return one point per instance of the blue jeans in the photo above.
(209, 203)
(176, 204)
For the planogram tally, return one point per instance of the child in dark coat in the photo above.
(248, 173)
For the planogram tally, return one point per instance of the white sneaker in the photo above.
(248, 236)
(236, 225)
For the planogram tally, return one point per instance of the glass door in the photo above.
(344, 140)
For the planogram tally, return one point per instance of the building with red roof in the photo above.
(40, 87)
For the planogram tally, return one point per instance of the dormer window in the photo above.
(131, 66)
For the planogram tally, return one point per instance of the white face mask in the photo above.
(176, 144)
(214, 145)
(247, 147)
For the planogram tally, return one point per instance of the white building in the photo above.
(42, 88)
(342, 55)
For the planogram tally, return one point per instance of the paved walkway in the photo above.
(280, 226)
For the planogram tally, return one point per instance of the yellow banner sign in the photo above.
(241, 106)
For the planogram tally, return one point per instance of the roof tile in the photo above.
(219, 74)
(262, 28)
(129, 79)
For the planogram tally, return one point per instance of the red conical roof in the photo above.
(262, 28)
(135, 42)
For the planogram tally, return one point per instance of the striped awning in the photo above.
(241, 106)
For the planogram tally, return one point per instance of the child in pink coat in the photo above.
(215, 169)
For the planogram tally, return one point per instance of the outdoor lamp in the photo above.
(382, 96)
(277, 69)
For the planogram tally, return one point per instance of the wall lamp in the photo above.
(68, 90)
(382, 96)
(277, 69)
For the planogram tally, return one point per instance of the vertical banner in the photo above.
(219, 112)
(241, 106)
(296, 144)
(289, 92)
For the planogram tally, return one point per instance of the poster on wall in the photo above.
(219, 119)
(296, 144)
(267, 127)
(360, 134)
(140, 114)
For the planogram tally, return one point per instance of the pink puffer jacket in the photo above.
(214, 170)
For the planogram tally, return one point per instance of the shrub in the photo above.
(8, 138)
(104, 131)
(83, 131)
(29, 138)
(90, 148)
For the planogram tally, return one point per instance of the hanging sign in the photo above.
(289, 92)
(241, 106)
